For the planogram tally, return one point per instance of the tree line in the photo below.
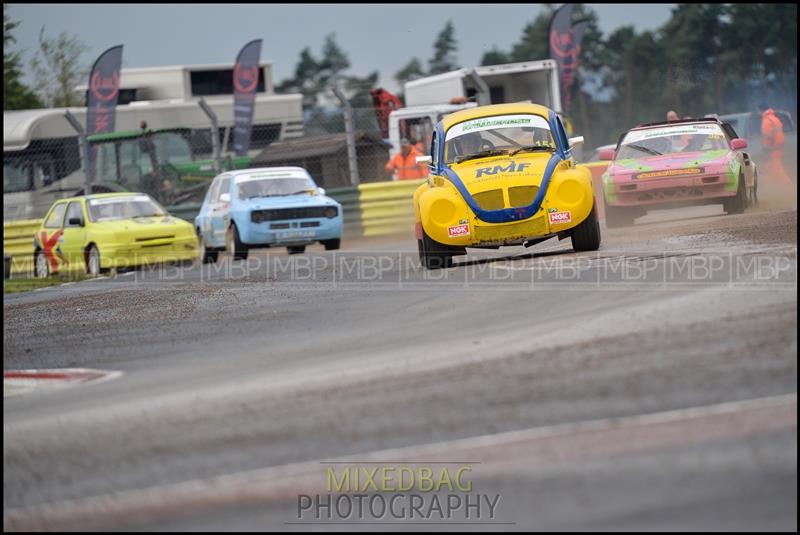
(707, 58)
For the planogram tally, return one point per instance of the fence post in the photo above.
(214, 134)
(482, 90)
(84, 149)
(350, 133)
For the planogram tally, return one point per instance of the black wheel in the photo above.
(754, 193)
(737, 204)
(41, 265)
(93, 261)
(620, 216)
(331, 245)
(236, 249)
(434, 255)
(207, 256)
(586, 236)
(298, 249)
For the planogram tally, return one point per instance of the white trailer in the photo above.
(41, 158)
(428, 99)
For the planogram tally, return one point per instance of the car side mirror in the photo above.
(606, 154)
(424, 159)
(575, 141)
(738, 143)
(75, 222)
(225, 197)
(320, 191)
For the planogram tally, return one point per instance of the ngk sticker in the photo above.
(560, 217)
(458, 230)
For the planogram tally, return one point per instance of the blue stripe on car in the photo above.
(506, 215)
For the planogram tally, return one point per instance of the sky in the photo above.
(381, 37)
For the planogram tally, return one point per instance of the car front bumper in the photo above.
(668, 190)
(291, 232)
(125, 255)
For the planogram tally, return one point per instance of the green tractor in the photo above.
(158, 162)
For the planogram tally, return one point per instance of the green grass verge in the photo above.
(11, 286)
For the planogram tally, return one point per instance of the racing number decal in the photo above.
(51, 249)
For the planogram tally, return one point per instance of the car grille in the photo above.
(490, 200)
(522, 195)
(518, 196)
(257, 216)
(150, 238)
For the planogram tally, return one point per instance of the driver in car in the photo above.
(468, 144)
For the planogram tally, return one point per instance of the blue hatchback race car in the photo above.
(266, 207)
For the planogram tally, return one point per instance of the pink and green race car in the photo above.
(661, 165)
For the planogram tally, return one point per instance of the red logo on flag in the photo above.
(105, 89)
(245, 78)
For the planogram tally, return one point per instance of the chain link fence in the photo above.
(175, 164)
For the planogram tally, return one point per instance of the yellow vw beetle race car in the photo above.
(502, 175)
(110, 230)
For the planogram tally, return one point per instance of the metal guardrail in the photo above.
(386, 207)
(18, 242)
(349, 198)
(377, 208)
(186, 211)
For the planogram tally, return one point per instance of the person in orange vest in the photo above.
(404, 165)
(419, 145)
(772, 142)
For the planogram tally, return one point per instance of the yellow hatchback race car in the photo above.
(502, 175)
(110, 230)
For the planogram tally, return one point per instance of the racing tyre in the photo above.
(236, 249)
(331, 245)
(586, 236)
(207, 256)
(93, 261)
(434, 255)
(299, 249)
(737, 204)
(41, 265)
(619, 216)
(754, 193)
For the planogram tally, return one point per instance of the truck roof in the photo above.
(511, 82)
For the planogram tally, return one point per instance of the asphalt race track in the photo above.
(649, 385)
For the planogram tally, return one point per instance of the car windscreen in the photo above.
(252, 188)
(16, 177)
(113, 208)
(500, 134)
(672, 140)
(172, 147)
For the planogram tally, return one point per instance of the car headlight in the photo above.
(570, 192)
(257, 217)
(330, 212)
(442, 211)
